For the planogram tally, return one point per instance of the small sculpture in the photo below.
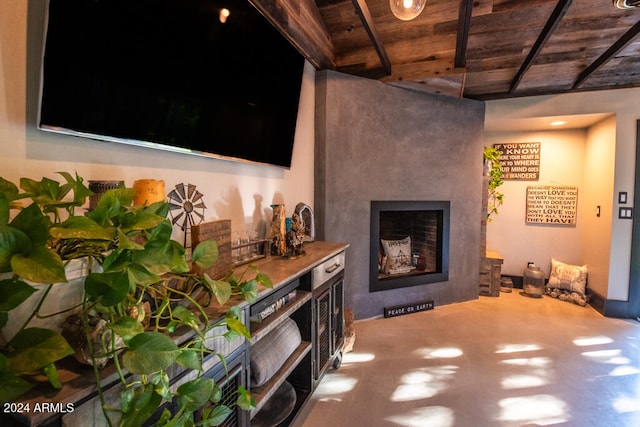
(306, 214)
(278, 230)
(295, 236)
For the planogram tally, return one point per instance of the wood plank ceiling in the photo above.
(478, 49)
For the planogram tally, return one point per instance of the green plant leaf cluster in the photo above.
(144, 290)
(27, 256)
(496, 198)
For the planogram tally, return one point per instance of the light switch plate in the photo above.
(625, 213)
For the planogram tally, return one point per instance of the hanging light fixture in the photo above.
(626, 4)
(406, 10)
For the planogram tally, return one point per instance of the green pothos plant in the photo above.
(143, 294)
(495, 197)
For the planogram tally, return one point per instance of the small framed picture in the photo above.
(622, 197)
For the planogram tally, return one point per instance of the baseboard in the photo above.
(607, 307)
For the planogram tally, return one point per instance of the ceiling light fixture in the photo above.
(558, 123)
(224, 14)
(626, 4)
(406, 10)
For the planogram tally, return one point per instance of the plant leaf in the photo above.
(239, 327)
(125, 242)
(189, 359)
(245, 399)
(216, 394)
(107, 288)
(52, 375)
(249, 290)
(195, 393)
(140, 275)
(44, 192)
(80, 191)
(13, 292)
(35, 348)
(264, 280)
(142, 220)
(117, 260)
(40, 265)
(12, 386)
(150, 352)
(220, 289)
(218, 415)
(9, 189)
(81, 227)
(4, 207)
(186, 316)
(139, 404)
(161, 254)
(12, 241)
(126, 328)
(205, 254)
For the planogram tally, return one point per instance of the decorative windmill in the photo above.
(186, 208)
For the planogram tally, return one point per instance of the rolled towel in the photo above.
(272, 351)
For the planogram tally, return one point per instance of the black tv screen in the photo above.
(170, 74)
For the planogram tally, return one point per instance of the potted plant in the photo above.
(145, 291)
(493, 169)
(27, 258)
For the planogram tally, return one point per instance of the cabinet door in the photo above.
(323, 337)
(337, 319)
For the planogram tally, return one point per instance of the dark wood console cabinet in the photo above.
(317, 310)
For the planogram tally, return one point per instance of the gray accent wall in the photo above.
(375, 141)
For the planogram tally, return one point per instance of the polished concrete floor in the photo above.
(505, 361)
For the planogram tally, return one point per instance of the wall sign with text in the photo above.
(552, 204)
(520, 161)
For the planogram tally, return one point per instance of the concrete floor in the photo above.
(505, 361)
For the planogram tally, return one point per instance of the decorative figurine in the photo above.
(295, 236)
(278, 230)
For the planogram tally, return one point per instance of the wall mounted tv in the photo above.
(170, 74)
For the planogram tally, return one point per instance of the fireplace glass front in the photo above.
(409, 243)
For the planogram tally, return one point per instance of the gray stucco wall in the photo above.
(379, 142)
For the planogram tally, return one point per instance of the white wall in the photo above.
(232, 190)
(599, 171)
(624, 104)
(582, 158)
(561, 163)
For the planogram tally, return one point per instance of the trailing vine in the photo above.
(495, 198)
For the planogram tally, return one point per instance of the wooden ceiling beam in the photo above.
(421, 70)
(556, 16)
(450, 85)
(620, 44)
(367, 21)
(300, 22)
(462, 36)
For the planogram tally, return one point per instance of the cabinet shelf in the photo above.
(260, 329)
(264, 392)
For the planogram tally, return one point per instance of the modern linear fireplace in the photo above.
(409, 243)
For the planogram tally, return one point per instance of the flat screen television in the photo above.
(171, 74)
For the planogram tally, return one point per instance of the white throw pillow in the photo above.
(398, 251)
(566, 279)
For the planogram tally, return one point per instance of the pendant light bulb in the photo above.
(406, 10)
(626, 4)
